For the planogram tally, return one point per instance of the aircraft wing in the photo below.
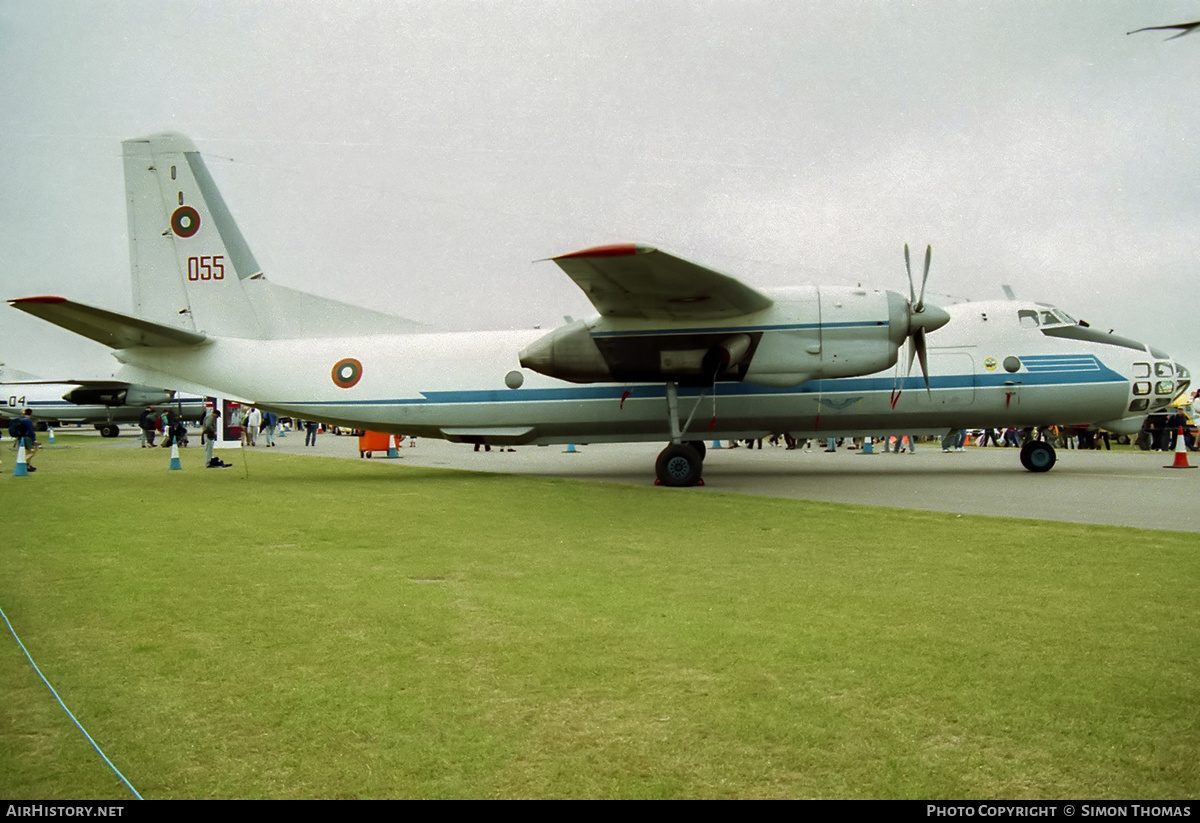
(98, 383)
(640, 281)
(117, 331)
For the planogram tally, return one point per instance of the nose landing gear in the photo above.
(1037, 456)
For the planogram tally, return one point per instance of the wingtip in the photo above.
(42, 298)
(612, 250)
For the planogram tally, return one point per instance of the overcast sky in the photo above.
(416, 157)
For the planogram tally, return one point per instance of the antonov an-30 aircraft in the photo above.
(105, 403)
(678, 352)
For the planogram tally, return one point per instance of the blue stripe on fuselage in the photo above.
(1091, 372)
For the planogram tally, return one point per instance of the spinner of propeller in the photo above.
(922, 318)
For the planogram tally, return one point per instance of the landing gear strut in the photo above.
(680, 463)
(1037, 456)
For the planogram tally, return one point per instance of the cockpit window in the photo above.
(1061, 318)
(1045, 316)
(1141, 369)
(1164, 370)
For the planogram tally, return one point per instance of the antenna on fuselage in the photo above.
(1008, 292)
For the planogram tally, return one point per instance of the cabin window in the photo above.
(1027, 318)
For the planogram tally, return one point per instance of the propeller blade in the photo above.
(919, 345)
(912, 295)
(920, 306)
(921, 320)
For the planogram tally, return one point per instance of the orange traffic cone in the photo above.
(1180, 453)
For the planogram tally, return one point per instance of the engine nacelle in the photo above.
(117, 394)
(147, 396)
(568, 353)
(806, 334)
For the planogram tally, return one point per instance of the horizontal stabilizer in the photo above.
(639, 281)
(117, 331)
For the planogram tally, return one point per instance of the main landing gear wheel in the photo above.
(679, 465)
(1037, 456)
(109, 430)
(698, 445)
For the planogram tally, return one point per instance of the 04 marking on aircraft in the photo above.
(677, 352)
(103, 402)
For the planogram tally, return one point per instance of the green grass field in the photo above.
(337, 628)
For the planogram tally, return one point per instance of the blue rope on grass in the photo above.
(29, 657)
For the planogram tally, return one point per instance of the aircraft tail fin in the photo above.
(11, 375)
(192, 267)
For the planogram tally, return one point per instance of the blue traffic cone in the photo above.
(867, 447)
(392, 446)
(716, 444)
(175, 464)
(50, 431)
(21, 469)
(571, 449)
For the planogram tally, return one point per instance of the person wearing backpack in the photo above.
(28, 436)
(148, 423)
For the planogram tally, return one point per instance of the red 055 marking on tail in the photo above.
(208, 267)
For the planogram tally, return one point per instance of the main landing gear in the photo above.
(680, 463)
(1037, 456)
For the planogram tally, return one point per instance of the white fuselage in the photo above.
(985, 370)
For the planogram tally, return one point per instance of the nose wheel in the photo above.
(1037, 456)
(679, 464)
